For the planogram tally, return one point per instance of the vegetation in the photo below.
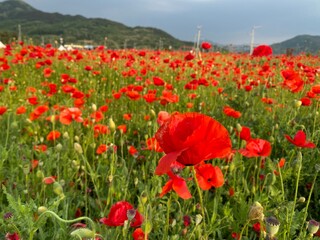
(142, 144)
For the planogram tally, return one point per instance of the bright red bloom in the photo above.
(262, 50)
(138, 234)
(132, 151)
(300, 140)
(256, 148)
(206, 45)
(122, 128)
(21, 110)
(48, 180)
(12, 236)
(306, 101)
(178, 184)
(53, 135)
(101, 149)
(2, 110)
(245, 133)
(152, 144)
(69, 114)
(229, 111)
(163, 116)
(118, 215)
(209, 176)
(191, 138)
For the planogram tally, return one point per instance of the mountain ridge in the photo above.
(51, 27)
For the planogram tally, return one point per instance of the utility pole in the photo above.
(19, 33)
(252, 38)
(198, 42)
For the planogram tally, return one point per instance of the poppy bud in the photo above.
(301, 200)
(78, 148)
(94, 107)
(65, 135)
(198, 219)
(41, 139)
(76, 138)
(147, 227)
(82, 233)
(42, 209)
(144, 198)
(58, 147)
(40, 174)
(57, 189)
(297, 103)
(239, 127)
(112, 125)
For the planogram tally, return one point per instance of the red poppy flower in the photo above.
(49, 180)
(178, 184)
(229, 111)
(118, 215)
(12, 236)
(191, 138)
(153, 145)
(101, 149)
(138, 234)
(262, 50)
(245, 133)
(205, 45)
(69, 114)
(53, 135)
(256, 148)
(2, 110)
(209, 176)
(300, 140)
(163, 116)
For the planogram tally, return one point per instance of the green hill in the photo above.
(299, 44)
(41, 27)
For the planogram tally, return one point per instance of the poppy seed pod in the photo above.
(313, 226)
(272, 226)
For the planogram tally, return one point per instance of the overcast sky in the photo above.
(221, 21)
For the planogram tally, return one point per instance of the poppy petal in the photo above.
(166, 161)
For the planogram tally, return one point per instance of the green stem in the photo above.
(308, 202)
(166, 230)
(296, 192)
(61, 220)
(242, 230)
(200, 197)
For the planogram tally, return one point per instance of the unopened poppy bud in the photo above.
(40, 174)
(153, 113)
(313, 227)
(272, 226)
(41, 139)
(239, 127)
(76, 138)
(94, 107)
(26, 169)
(136, 181)
(78, 148)
(256, 212)
(198, 219)
(57, 189)
(65, 135)
(144, 198)
(301, 200)
(42, 209)
(147, 227)
(58, 147)
(82, 233)
(110, 178)
(112, 125)
(297, 103)
(52, 118)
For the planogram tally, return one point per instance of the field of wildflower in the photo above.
(144, 144)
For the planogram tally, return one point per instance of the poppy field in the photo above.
(150, 144)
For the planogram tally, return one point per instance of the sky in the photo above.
(219, 21)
